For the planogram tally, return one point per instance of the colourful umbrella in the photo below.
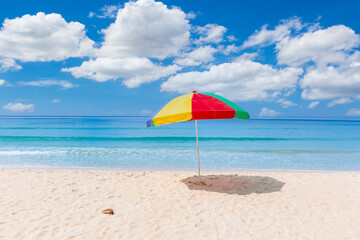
(197, 106)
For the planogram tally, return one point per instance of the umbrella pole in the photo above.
(197, 144)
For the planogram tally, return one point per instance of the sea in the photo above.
(126, 143)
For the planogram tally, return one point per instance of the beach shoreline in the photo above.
(68, 204)
(205, 170)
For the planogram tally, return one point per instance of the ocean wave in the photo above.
(166, 139)
(142, 158)
(93, 151)
(27, 152)
(71, 128)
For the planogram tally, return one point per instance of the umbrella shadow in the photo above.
(234, 184)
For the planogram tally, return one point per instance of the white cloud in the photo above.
(143, 29)
(266, 112)
(246, 56)
(210, 33)
(203, 54)
(229, 49)
(48, 83)
(134, 71)
(323, 46)
(8, 64)
(285, 103)
(331, 82)
(332, 67)
(55, 101)
(242, 80)
(336, 69)
(334, 45)
(43, 37)
(19, 107)
(339, 101)
(108, 11)
(266, 37)
(354, 112)
(231, 38)
(191, 15)
(187, 62)
(198, 56)
(2, 82)
(145, 112)
(146, 28)
(355, 64)
(313, 104)
(290, 92)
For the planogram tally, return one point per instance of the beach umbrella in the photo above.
(197, 106)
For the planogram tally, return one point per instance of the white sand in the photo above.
(68, 204)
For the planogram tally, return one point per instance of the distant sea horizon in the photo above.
(149, 116)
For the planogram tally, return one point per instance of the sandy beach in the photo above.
(68, 204)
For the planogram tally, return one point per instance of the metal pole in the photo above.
(197, 144)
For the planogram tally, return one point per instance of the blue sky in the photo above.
(273, 58)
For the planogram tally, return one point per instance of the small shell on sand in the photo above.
(108, 211)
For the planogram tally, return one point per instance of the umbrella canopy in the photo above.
(197, 106)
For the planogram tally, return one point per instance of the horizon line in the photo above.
(254, 117)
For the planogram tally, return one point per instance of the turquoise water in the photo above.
(124, 142)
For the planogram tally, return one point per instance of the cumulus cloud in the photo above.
(339, 101)
(247, 56)
(203, 54)
(48, 83)
(198, 56)
(286, 103)
(336, 73)
(328, 56)
(143, 30)
(354, 112)
(229, 49)
(332, 45)
(146, 28)
(210, 33)
(108, 11)
(243, 80)
(43, 37)
(295, 48)
(231, 38)
(313, 104)
(331, 82)
(8, 64)
(267, 112)
(290, 92)
(55, 101)
(2, 82)
(134, 71)
(187, 62)
(191, 15)
(266, 37)
(323, 46)
(19, 107)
